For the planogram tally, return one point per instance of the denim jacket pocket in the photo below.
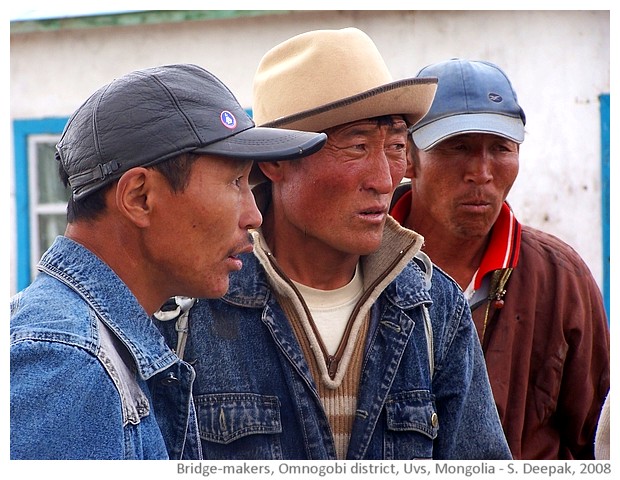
(412, 425)
(250, 420)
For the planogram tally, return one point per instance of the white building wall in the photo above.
(558, 61)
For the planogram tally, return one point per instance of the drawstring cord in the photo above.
(177, 307)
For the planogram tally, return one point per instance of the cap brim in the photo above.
(410, 97)
(262, 144)
(429, 135)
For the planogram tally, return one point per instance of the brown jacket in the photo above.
(547, 351)
(547, 347)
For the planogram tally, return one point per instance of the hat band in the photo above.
(289, 119)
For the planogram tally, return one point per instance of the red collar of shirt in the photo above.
(503, 249)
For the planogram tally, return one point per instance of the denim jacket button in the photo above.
(169, 379)
(434, 420)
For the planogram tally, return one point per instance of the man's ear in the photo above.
(411, 151)
(133, 198)
(272, 170)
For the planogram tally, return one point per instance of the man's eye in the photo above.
(457, 147)
(359, 146)
(503, 147)
(353, 148)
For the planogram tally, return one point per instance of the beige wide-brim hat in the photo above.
(324, 78)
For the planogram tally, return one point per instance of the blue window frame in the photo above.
(605, 191)
(23, 131)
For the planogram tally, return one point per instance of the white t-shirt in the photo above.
(331, 309)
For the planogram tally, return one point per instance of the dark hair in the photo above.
(176, 171)
(389, 120)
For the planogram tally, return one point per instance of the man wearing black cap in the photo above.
(158, 164)
(538, 310)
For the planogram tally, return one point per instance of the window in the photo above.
(48, 197)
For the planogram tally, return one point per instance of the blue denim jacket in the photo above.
(256, 398)
(91, 377)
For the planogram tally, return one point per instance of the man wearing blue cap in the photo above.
(538, 311)
(158, 163)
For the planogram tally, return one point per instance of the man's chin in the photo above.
(367, 248)
(216, 290)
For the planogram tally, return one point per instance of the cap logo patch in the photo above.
(228, 119)
(495, 97)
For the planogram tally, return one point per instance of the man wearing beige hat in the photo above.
(339, 340)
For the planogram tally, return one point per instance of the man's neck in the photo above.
(310, 262)
(118, 248)
(458, 257)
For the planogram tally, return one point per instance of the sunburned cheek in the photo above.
(398, 169)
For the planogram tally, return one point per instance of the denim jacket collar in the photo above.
(111, 299)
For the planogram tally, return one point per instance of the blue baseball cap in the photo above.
(472, 97)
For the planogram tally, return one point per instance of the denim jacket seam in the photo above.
(73, 340)
(451, 333)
